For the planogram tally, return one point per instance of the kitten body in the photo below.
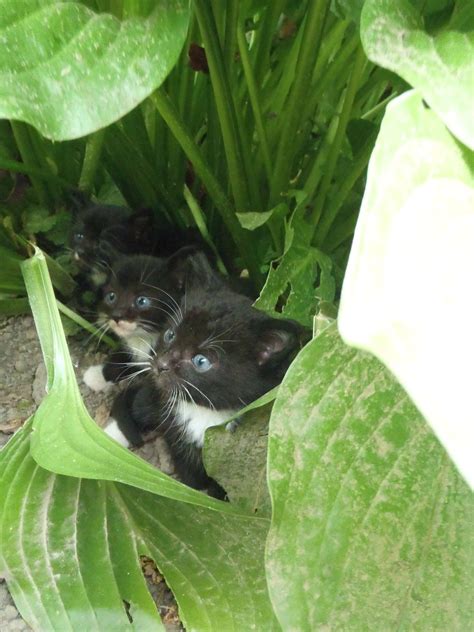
(219, 355)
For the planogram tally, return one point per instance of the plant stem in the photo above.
(26, 150)
(168, 111)
(225, 105)
(254, 100)
(85, 324)
(91, 160)
(339, 135)
(20, 167)
(328, 217)
(307, 57)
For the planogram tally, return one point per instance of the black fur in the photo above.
(249, 352)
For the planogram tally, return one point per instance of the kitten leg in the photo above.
(121, 425)
(233, 425)
(94, 378)
(116, 368)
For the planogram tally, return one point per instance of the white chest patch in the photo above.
(139, 344)
(197, 419)
(98, 277)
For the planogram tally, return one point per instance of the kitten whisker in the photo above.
(173, 300)
(199, 391)
(140, 352)
(130, 378)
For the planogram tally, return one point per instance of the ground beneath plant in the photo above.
(22, 387)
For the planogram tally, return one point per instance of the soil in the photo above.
(22, 387)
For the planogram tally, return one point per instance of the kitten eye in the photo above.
(169, 336)
(143, 302)
(78, 236)
(110, 298)
(201, 363)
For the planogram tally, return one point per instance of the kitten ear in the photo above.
(77, 200)
(141, 224)
(277, 340)
(190, 266)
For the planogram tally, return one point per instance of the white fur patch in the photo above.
(124, 328)
(139, 344)
(198, 419)
(94, 378)
(98, 277)
(113, 430)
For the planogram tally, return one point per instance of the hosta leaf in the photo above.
(372, 525)
(238, 461)
(406, 292)
(69, 549)
(69, 70)
(441, 67)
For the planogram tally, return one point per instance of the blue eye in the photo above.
(143, 302)
(201, 363)
(169, 336)
(110, 298)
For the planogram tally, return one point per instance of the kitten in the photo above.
(139, 294)
(215, 356)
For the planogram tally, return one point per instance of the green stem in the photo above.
(267, 30)
(307, 57)
(254, 100)
(85, 324)
(335, 149)
(231, 21)
(225, 105)
(168, 111)
(328, 217)
(20, 132)
(91, 161)
(200, 222)
(21, 167)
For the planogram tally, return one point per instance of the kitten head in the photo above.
(141, 293)
(98, 231)
(221, 352)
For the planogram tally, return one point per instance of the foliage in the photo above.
(261, 139)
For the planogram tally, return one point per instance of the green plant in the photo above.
(271, 129)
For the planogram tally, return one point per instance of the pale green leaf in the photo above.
(372, 525)
(69, 549)
(70, 71)
(440, 67)
(406, 295)
(238, 461)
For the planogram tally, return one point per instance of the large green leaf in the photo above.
(406, 294)
(441, 67)
(69, 549)
(238, 461)
(372, 525)
(69, 71)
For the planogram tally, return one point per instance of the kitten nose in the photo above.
(163, 364)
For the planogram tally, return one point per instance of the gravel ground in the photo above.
(22, 387)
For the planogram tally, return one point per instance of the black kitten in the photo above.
(139, 295)
(216, 355)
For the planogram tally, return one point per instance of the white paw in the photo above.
(233, 425)
(94, 378)
(113, 430)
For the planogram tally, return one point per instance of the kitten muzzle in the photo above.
(122, 328)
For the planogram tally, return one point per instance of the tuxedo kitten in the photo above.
(139, 295)
(216, 355)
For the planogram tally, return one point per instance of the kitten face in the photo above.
(222, 353)
(98, 229)
(138, 296)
